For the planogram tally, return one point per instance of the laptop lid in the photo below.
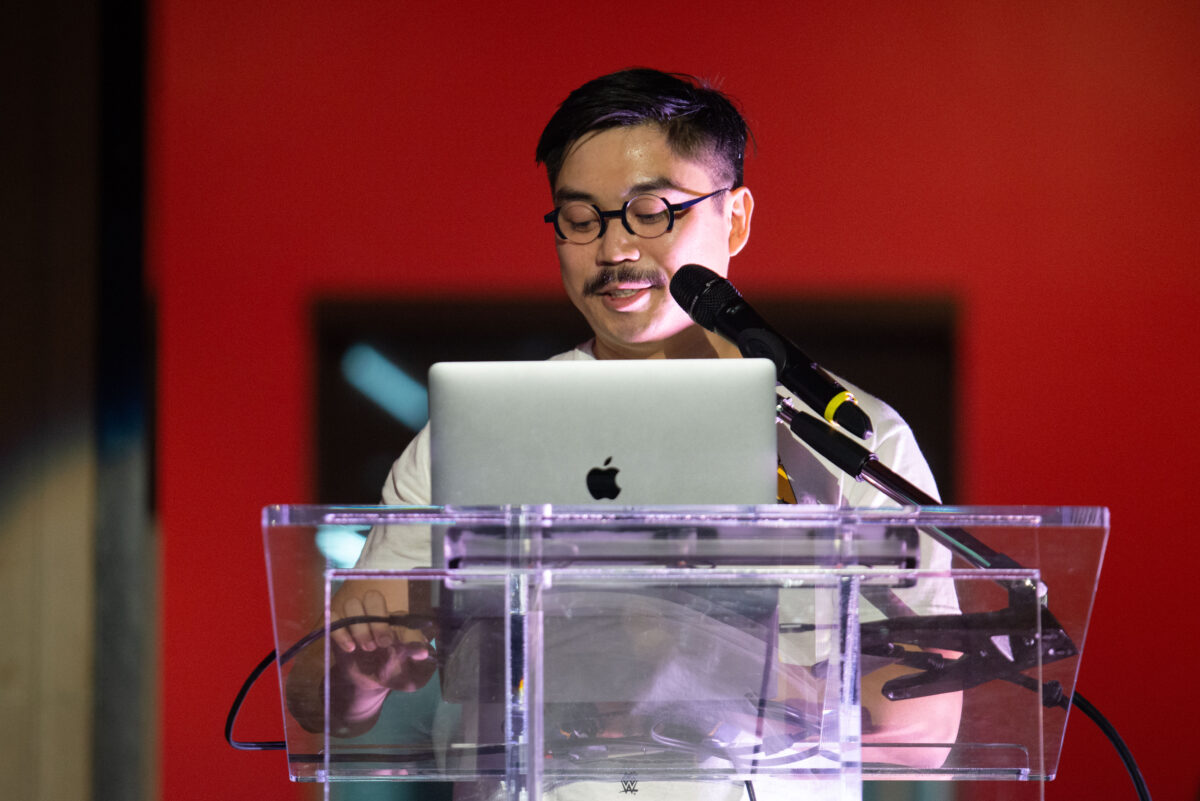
(626, 432)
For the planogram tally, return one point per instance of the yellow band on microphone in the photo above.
(836, 401)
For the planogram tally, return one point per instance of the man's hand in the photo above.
(369, 660)
(377, 656)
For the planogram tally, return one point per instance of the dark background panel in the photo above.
(901, 350)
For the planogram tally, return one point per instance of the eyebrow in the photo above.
(566, 194)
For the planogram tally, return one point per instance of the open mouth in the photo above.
(624, 297)
(623, 292)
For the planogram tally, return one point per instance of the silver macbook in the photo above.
(625, 432)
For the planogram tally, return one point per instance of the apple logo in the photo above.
(602, 481)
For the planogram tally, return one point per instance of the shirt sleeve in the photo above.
(897, 449)
(398, 547)
(408, 482)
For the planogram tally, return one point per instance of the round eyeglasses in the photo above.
(647, 216)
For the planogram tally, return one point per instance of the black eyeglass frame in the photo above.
(605, 216)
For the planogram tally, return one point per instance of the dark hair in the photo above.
(700, 122)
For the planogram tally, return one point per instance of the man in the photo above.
(646, 176)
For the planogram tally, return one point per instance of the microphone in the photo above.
(715, 304)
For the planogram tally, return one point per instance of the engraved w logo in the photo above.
(629, 784)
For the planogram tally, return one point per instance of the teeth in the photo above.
(624, 293)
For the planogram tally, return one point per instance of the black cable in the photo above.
(764, 691)
(1053, 696)
(1139, 782)
(269, 745)
(422, 622)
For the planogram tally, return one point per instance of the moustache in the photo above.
(657, 279)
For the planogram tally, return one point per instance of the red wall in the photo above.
(1037, 161)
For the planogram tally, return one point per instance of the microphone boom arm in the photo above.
(974, 635)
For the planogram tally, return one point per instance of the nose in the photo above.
(617, 245)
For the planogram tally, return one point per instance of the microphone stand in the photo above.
(994, 645)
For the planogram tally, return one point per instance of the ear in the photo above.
(740, 209)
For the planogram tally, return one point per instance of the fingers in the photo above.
(382, 655)
(365, 636)
(341, 637)
(411, 666)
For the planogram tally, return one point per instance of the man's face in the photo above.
(619, 282)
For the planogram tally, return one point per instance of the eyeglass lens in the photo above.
(647, 216)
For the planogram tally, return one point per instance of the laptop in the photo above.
(622, 432)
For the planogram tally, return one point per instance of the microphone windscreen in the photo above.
(702, 293)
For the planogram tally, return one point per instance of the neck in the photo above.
(691, 343)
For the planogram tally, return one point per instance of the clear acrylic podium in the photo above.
(767, 644)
